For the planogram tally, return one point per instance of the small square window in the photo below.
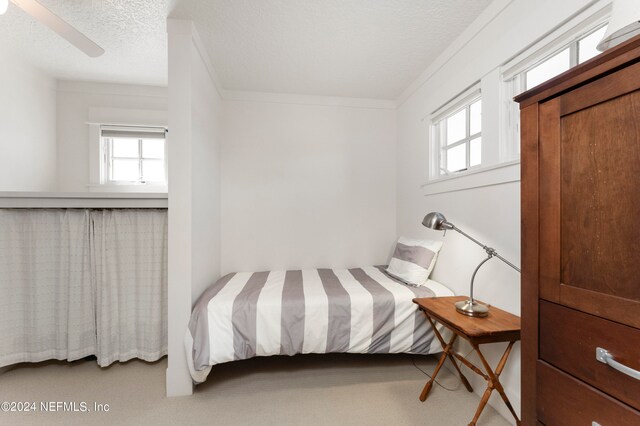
(134, 155)
(457, 135)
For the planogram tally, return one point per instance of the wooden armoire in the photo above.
(581, 244)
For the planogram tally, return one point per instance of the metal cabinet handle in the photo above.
(605, 357)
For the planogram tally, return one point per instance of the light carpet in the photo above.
(335, 389)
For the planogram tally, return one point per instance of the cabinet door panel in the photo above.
(590, 205)
(600, 213)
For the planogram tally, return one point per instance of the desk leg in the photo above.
(463, 379)
(494, 383)
(483, 403)
(427, 387)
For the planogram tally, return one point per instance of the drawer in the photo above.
(564, 400)
(569, 338)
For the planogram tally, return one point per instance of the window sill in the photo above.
(128, 188)
(487, 176)
(15, 199)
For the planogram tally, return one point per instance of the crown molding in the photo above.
(118, 89)
(296, 99)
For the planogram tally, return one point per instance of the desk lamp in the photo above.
(470, 307)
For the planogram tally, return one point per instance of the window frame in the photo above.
(513, 73)
(439, 147)
(542, 56)
(500, 118)
(134, 132)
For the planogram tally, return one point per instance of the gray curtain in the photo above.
(78, 282)
(47, 308)
(129, 261)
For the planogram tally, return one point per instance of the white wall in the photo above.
(194, 189)
(492, 213)
(306, 184)
(27, 127)
(206, 106)
(79, 104)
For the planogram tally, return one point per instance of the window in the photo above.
(133, 155)
(457, 135)
(578, 51)
(474, 139)
(566, 51)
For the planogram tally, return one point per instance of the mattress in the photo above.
(359, 310)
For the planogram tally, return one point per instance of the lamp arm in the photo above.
(507, 262)
(490, 251)
(473, 277)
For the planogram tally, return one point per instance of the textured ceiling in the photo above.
(351, 48)
(354, 48)
(132, 33)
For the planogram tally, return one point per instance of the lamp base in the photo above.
(472, 308)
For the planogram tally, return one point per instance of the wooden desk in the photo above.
(498, 326)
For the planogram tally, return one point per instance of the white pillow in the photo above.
(413, 260)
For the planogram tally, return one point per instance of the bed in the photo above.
(360, 310)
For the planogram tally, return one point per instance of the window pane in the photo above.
(457, 158)
(124, 147)
(553, 66)
(587, 46)
(475, 152)
(125, 170)
(153, 148)
(475, 117)
(153, 170)
(457, 127)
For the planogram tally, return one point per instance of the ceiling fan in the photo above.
(57, 24)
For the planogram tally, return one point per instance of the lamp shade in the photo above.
(4, 4)
(437, 221)
(624, 24)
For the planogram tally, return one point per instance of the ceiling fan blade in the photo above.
(57, 24)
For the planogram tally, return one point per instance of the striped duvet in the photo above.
(361, 310)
